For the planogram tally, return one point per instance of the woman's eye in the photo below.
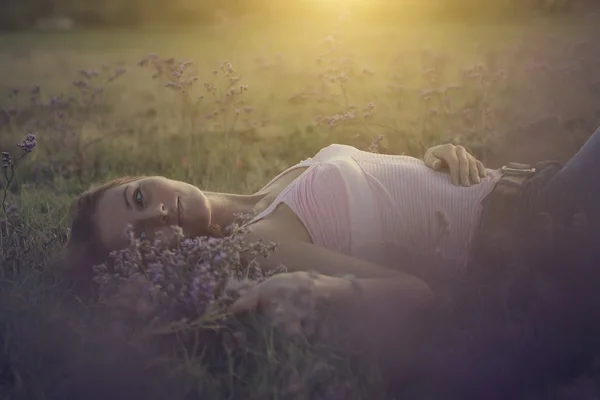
(138, 198)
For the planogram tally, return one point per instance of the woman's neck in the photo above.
(224, 206)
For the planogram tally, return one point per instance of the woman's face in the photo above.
(151, 205)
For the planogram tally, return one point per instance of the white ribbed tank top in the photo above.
(376, 207)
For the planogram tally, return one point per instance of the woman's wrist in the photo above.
(337, 288)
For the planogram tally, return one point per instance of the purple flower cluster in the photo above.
(29, 143)
(184, 277)
(374, 146)
(7, 161)
(9, 164)
(224, 92)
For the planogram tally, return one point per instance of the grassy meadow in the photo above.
(227, 107)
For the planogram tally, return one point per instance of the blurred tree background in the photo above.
(23, 14)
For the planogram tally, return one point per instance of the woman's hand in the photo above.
(270, 293)
(289, 299)
(464, 168)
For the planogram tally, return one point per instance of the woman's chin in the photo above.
(190, 233)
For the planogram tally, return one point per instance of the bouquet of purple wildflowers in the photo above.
(190, 279)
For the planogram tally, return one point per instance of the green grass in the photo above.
(140, 127)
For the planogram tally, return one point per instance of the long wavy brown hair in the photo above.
(84, 247)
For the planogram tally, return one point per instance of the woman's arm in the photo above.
(383, 313)
(402, 292)
(298, 255)
(375, 282)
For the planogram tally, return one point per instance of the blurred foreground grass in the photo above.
(253, 101)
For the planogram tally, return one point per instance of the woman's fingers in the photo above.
(481, 169)
(463, 165)
(247, 302)
(432, 160)
(465, 169)
(450, 156)
(473, 171)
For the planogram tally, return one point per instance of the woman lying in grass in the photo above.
(342, 212)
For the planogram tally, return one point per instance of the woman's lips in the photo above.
(178, 212)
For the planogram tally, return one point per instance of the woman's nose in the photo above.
(163, 211)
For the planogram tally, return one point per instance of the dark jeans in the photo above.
(577, 186)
